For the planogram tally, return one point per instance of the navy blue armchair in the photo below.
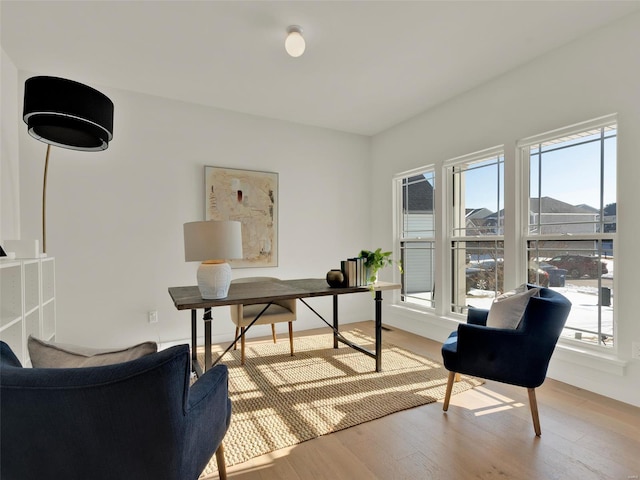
(137, 420)
(517, 356)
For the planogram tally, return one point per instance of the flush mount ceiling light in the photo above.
(294, 43)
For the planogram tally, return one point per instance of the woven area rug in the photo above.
(279, 400)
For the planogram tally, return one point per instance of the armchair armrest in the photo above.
(209, 383)
(7, 357)
(289, 304)
(477, 316)
(476, 340)
(207, 416)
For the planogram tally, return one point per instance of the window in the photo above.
(571, 212)
(476, 228)
(417, 237)
(561, 232)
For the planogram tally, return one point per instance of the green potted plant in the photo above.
(374, 261)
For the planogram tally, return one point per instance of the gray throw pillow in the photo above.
(507, 310)
(57, 355)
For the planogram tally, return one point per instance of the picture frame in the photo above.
(250, 197)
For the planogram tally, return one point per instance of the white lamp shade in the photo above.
(212, 240)
(294, 44)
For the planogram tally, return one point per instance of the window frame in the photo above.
(523, 155)
(400, 238)
(516, 233)
(452, 215)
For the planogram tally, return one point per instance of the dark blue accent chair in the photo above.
(137, 420)
(517, 357)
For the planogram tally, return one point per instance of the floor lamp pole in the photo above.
(44, 201)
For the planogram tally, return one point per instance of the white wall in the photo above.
(9, 162)
(592, 77)
(115, 217)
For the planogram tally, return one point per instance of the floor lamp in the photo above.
(66, 114)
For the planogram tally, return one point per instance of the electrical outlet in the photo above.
(635, 350)
(153, 316)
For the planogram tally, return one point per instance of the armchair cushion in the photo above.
(57, 355)
(507, 310)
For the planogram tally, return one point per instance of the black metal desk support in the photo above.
(335, 321)
(378, 301)
(207, 338)
(266, 293)
(195, 364)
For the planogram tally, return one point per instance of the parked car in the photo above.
(483, 276)
(578, 266)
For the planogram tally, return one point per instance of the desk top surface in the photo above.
(185, 298)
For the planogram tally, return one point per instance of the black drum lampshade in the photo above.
(67, 114)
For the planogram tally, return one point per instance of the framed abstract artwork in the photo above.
(250, 197)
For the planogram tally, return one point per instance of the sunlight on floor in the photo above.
(482, 401)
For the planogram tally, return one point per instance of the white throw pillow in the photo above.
(56, 355)
(506, 310)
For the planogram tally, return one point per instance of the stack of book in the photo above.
(354, 271)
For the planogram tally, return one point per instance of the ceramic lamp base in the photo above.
(214, 280)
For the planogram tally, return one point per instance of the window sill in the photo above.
(421, 321)
(585, 357)
(426, 322)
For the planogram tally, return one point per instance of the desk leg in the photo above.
(194, 341)
(378, 301)
(207, 338)
(335, 321)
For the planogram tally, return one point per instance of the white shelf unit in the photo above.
(27, 302)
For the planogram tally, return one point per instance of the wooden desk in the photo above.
(188, 298)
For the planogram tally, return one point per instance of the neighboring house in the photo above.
(548, 214)
(554, 216)
(419, 221)
(478, 221)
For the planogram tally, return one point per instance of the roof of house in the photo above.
(419, 195)
(551, 205)
(472, 213)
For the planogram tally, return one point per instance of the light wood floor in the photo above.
(486, 434)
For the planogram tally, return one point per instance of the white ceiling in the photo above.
(369, 65)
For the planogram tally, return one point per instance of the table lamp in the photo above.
(213, 242)
(66, 114)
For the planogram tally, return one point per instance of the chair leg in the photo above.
(273, 332)
(291, 337)
(534, 411)
(235, 344)
(447, 395)
(222, 466)
(242, 342)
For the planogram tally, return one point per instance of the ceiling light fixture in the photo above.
(294, 44)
